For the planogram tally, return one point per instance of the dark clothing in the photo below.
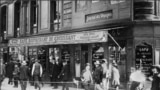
(98, 75)
(23, 76)
(23, 85)
(134, 85)
(155, 82)
(64, 74)
(23, 73)
(9, 71)
(56, 69)
(16, 76)
(16, 81)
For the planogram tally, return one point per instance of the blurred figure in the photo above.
(30, 70)
(98, 75)
(86, 77)
(24, 75)
(106, 74)
(16, 75)
(155, 78)
(37, 73)
(9, 71)
(116, 76)
(2, 73)
(137, 79)
(64, 75)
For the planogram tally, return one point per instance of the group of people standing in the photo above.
(138, 78)
(101, 75)
(18, 71)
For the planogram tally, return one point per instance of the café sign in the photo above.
(72, 38)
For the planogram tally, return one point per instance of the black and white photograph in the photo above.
(79, 44)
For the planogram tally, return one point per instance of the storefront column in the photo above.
(71, 60)
(90, 54)
(106, 51)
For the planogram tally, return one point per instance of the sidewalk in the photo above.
(5, 86)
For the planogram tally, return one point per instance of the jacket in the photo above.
(24, 73)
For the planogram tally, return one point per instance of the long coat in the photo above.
(10, 69)
(155, 82)
(64, 75)
(98, 75)
(56, 69)
(24, 72)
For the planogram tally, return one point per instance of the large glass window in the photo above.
(34, 16)
(56, 9)
(3, 22)
(17, 19)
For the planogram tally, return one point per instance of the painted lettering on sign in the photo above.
(99, 16)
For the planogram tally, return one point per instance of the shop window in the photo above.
(32, 53)
(55, 10)
(65, 53)
(80, 5)
(34, 16)
(17, 19)
(3, 22)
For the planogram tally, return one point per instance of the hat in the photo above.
(97, 62)
(87, 64)
(24, 63)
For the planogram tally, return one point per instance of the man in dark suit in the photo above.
(56, 69)
(64, 75)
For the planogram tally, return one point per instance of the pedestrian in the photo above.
(16, 75)
(155, 78)
(106, 74)
(51, 66)
(98, 75)
(56, 69)
(31, 80)
(116, 76)
(24, 75)
(86, 77)
(9, 71)
(2, 72)
(37, 73)
(137, 79)
(64, 75)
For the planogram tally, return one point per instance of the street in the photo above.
(6, 86)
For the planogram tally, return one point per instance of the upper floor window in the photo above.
(116, 1)
(3, 22)
(80, 4)
(34, 16)
(56, 9)
(94, 1)
(17, 19)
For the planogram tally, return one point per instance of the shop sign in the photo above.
(144, 57)
(79, 37)
(99, 16)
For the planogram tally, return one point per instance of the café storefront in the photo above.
(77, 48)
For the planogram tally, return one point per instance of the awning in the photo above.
(68, 38)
